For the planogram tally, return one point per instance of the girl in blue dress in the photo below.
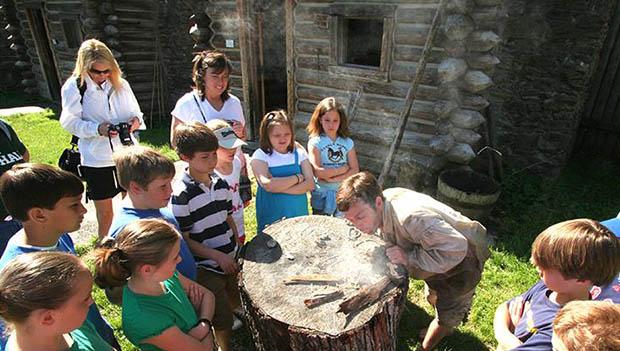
(331, 153)
(282, 170)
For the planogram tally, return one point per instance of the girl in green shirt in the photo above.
(162, 310)
(44, 298)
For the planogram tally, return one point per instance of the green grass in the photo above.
(528, 204)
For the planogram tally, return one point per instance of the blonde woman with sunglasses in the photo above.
(97, 103)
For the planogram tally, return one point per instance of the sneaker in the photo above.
(237, 324)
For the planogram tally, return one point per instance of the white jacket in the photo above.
(100, 104)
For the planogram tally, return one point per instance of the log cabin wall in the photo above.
(67, 23)
(225, 25)
(445, 124)
(8, 57)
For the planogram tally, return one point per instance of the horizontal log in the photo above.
(307, 13)
(413, 53)
(411, 34)
(310, 30)
(405, 71)
(312, 47)
(391, 89)
(418, 14)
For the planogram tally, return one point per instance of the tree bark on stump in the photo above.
(276, 313)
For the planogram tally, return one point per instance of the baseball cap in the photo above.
(227, 138)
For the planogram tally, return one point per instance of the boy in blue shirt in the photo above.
(48, 202)
(570, 257)
(147, 176)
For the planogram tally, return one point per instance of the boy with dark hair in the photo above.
(570, 257)
(147, 176)
(587, 325)
(12, 151)
(48, 201)
(202, 203)
(434, 242)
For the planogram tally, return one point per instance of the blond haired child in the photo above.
(331, 153)
(587, 325)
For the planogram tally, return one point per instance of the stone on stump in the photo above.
(306, 249)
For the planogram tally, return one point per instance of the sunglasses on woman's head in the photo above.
(96, 71)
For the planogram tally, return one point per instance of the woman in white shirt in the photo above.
(210, 97)
(94, 100)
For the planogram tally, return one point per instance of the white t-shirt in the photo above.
(187, 110)
(277, 159)
(233, 184)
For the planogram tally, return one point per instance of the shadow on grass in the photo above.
(415, 318)
(586, 188)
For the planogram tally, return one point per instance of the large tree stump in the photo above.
(327, 248)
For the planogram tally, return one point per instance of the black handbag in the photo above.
(70, 158)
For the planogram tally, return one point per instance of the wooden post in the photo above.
(290, 57)
(411, 93)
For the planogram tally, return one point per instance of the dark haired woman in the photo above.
(210, 97)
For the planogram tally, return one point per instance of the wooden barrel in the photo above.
(273, 290)
(471, 193)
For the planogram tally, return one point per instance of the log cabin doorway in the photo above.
(263, 58)
(599, 131)
(39, 29)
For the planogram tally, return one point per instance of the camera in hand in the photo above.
(123, 132)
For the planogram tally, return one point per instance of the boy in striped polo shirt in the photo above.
(202, 204)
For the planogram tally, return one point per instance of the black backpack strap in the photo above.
(82, 89)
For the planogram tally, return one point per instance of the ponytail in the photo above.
(147, 241)
(110, 265)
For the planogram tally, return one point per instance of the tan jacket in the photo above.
(435, 237)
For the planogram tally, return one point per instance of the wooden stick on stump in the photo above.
(364, 297)
(312, 279)
(319, 299)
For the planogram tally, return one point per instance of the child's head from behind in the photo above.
(43, 194)
(277, 133)
(587, 325)
(148, 247)
(197, 145)
(49, 291)
(328, 117)
(146, 174)
(227, 140)
(578, 251)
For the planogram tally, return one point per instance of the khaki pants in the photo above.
(226, 292)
